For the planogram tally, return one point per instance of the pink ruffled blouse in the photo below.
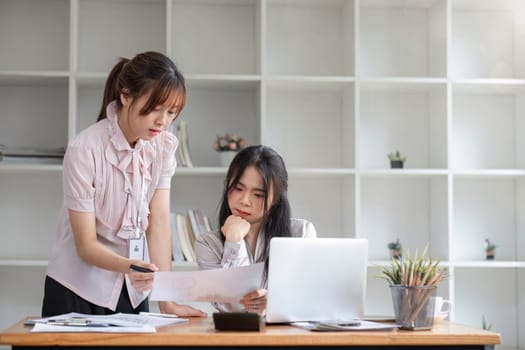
(94, 180)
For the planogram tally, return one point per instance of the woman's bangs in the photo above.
(166, 93)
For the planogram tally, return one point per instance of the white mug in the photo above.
(442, 307)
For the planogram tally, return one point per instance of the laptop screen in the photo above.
(316, 279)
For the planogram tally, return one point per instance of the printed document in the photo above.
(115, 323)
(227, 285)
(337, 325)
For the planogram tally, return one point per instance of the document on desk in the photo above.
(342, 326)
(49, 328)
(115, 323)
(227, 285)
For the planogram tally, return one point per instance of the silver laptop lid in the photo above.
(315, 279)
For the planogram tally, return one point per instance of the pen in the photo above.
(140, 268)
(79, 322)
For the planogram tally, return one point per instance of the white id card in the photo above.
(136, 248)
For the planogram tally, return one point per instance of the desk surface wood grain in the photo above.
(200, 331)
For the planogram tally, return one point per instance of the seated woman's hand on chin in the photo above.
(255, 301)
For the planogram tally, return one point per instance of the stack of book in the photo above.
(183, 151)
(186, 228)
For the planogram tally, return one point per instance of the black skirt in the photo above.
(60, 300)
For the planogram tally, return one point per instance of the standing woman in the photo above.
(116, 180)
(254, 208)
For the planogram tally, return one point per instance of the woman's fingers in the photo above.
(255, 301)
(142, 281)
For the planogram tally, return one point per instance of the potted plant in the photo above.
(396, 160)
(228, 145)
(395, 249)
(490, 249)
(484, 324)
(413, 280)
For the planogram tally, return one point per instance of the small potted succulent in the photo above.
(484, 324)
(396, 160)
(395, 249)
(490, 249)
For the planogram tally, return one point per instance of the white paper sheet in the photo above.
(227, 285)
(119, 322)
(48, 328)
(333, 327)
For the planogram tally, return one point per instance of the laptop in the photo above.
(316, 279)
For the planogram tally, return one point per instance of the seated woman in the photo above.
(254, 208)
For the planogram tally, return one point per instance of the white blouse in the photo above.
(214, 253)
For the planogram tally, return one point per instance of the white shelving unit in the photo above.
(333, 85)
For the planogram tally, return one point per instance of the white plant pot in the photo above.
(226, 157)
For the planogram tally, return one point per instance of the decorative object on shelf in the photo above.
(395, 249)
(396, 160)
(490, 249)
(183, 151)
(413, 281)
(228, 145)
(484, 324)
(33, 155)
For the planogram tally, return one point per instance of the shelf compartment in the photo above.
(317, 117)
(187, 193)
(310, 37)
(89, 101)
(492, 293)
(334, 215)
(412, 209)
(42, 45)
(488, 126)
(224, 36)
(402, 38)
(34, 229)
(108, 30)
(488, 39)
(409, 117)
(217, 108)
(489, 208)
(25, 290)
(40, 123)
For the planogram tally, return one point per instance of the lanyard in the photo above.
(138, 200)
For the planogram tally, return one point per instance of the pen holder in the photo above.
(413, 308)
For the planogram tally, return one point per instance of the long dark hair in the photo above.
(271, 167)
(146, 72)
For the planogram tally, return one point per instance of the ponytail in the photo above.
(112, 90)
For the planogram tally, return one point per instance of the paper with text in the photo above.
(227, 285)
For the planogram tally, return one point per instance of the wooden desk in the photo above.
(199, 333)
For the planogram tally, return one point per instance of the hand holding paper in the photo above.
(227, 285)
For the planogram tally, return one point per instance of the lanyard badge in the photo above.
(136, 248)
(136, 245)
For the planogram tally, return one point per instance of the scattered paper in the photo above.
(227, 285)
(49, 328)
(119, 322)
(332, 326)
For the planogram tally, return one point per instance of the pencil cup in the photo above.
(413, 306)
